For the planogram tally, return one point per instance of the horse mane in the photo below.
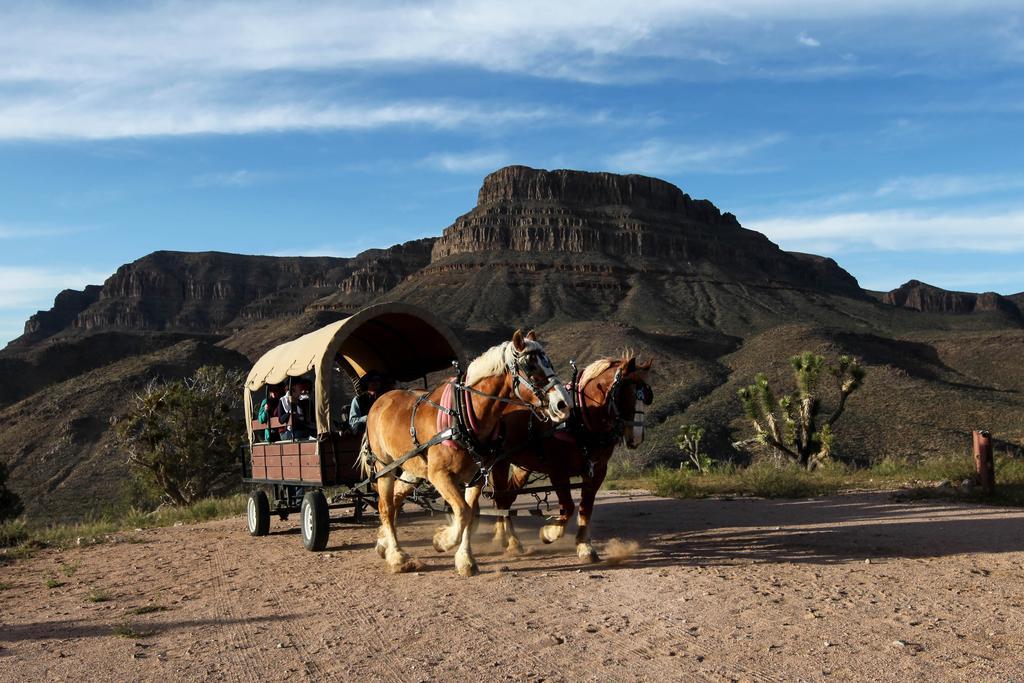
(601, 365)
(493, 360)
(595, 369)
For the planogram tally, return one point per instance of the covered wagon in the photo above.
(404, 342)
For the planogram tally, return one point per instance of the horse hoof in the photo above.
(514, 547)
(587, 554)
(468, 569)
(398, 562)
(439, 535)
(551, 532)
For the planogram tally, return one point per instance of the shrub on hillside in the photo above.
(10, 504)
(182, 437)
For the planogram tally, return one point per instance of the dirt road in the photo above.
(848, 587)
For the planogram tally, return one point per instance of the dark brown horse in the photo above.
(605, 414)
(516, 374)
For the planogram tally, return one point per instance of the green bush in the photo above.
(182, 437)
(10, 504)
(13, 533)
(674, 483)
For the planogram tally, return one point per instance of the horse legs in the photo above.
(584, 550)
(395, 557)
(505, 536)
(465, 564)
(447, 537)
(549, 533)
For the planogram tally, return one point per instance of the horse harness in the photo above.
(485, 452)
(587, 436)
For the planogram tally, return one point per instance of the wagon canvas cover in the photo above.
(405, 341)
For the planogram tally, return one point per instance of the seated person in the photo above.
(371, 385)
(268, 407)
(293, 412)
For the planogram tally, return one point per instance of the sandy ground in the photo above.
(849, 587)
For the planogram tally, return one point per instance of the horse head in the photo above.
(616, 389)
(534, 380)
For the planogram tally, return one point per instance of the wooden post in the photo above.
(984, 465)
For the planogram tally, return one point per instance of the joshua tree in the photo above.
(688, 439)
(791, 426)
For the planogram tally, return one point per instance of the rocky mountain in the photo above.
(920, 296)
(596, 261)
(216, 293)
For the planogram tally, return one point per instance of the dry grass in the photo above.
(22, 537)
(147, 609)
(126, 630)
(97, 595)
(769, 480)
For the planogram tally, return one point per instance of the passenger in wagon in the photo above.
(371, 385)
(294, 412)
(268, 408)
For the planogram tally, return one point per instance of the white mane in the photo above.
(493, 360)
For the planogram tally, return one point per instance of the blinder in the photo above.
(520, 375)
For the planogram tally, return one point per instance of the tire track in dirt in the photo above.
(236, 624)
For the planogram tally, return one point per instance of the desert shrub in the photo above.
(182, 437)
(674, 483)
(791, 426)
(10, 504)
(770, 480)
(12, 533)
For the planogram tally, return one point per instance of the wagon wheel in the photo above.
(315, 521)
(257, 513)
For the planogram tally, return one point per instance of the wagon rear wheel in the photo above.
(257, 513)
(315, 521)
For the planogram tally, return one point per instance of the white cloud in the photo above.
(902, 230)
(47, 119)
(109, 70)
(807, 41)
(929, 187)
(467, 162)
(239, 178)
(35, 287)
(664, 156)
(16, 232)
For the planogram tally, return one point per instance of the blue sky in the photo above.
(888, 135)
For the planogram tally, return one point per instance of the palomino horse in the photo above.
(514, 373)
(606, 412)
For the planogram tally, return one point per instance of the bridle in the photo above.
(518, 367)
(644, 395)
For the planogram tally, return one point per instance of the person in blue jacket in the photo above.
(371, 385)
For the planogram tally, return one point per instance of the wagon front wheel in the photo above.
(316, 521)
(257, 513)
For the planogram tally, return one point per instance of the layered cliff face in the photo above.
(66, 308)
(920, 296)
(218, 293)
(627, 223)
